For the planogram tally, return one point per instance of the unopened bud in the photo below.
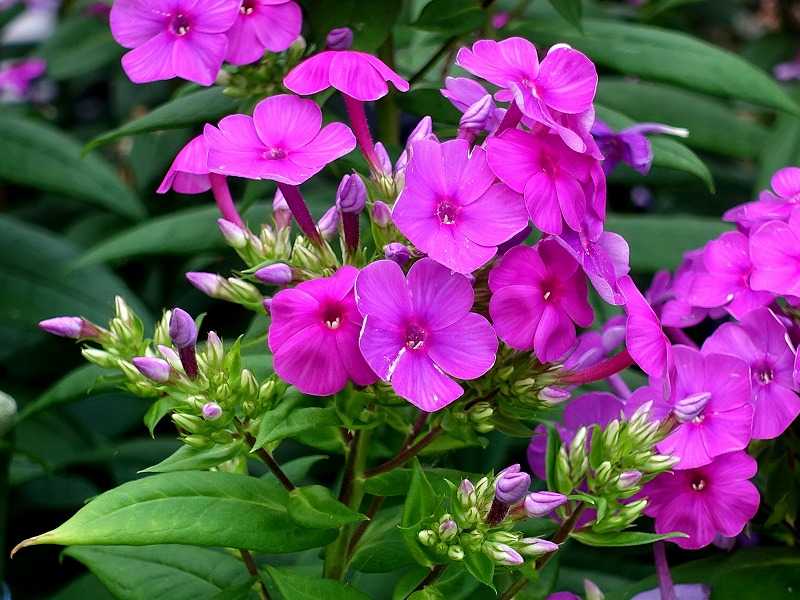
(427, 537)
(124, 312)
(691, 407)
(472, 539)
(455, 553)
(591, 591)
(188, 423)
(211, 411)
(100, 357)
(328, 224)
(502, 554)
(197, 441)
(384, 161)
(155, 369)
(281, 213)
(340, 38)
(397, 252)
(210, 284)
(275, 274)
(214, 350)
(182, 330)
(70, 327)
(628, 479)
(511, 485)
(235, 236)
(381, 214)
(603, 473)
(540, 504)
(553, 396)
(633, 510)
(448, 530)
(578, 444)
(522, 387)
(659, 462)
(351, 196)
(477, 116)
(534, 547)
(465, 494)
(8, 412)
(504, 537)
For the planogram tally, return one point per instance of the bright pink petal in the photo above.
(350, 355)
(336, 287)
(645, 340)
(555, 334)
(332, 142)
(438, 296)
(514, 158)
(466, 349)
(381, 344)
(776, 259)
(450, 247)
(310, 361)
(466, 177)
(515, 311)
(501, 63)
(198, 57)
(285, 22)
(542, 202)
(214, 16)
(776, 407)
(567, 80)
(152, 61)
(426, 170)
(381, 292)
(352, 74)
(234, 147)
(398, 82)
(786, 182)
(494, 218)
(134, 22)
(287, 122)
(690, 514)
(244, 46)
(417, 379)
(312, 75)
(571, 200)
(292, 310)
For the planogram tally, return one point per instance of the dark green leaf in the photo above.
(781, 149)
(187, 458)
(200, 508)
(664, 55)
(300, 420)
(622, 538)
(168, 571)
(480, 566)
(451, 17)
(315, 507)
(382, 548)
(40, 156)
(72, 386)
(207, 105)
(85, 586)
(158, 410)
(398, 481)
(78, 46)
(571, 10)
(300, 587)
(424, 101)
(551, 454)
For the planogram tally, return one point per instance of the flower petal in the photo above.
(417, 379)
(438, 296)
(466, 349)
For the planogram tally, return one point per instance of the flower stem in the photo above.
(406, 454)
(271, 464)
(662, 570)
(300, 211)
(189, 361)
(373, 508)
(510, 120)
(350, 225)
(222, 196)
(252, 568)
(358, 119)
(601, 370)
(388, 113)
(432, 576)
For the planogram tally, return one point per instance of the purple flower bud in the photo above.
(537, 547)
(208, 283)
(281, 213)
(503, 554)
(170, 356)
(235, 236)
(466, 492)
(340, 38)
(328, 224)
(155, 369)
(182, 330)
(70, 327)
(593, 592)
(511, 485)
(211, 411)
(448, 530)
(691, 407)
(422, 131)
(540, 504)
(351, 197)
(384, 161)
(500, 19)
(267, 304)
(381, 214)
(275, 274)
(478, 115)
(628, 479)
(553, 396)
(397, 252)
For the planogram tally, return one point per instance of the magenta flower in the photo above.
(465, 94)
(787, 71)
(604, 260)
(725, 281)
(188, 173)
(773, 205)
(453, 209)
(630, 145)
(668, 295)
(16, 77)
(314, 335)
(761, 340)
(775, 252)
(173, 38)
(419, 332)
(644, 339)
(559, 184)
(702, 502)
(282, 141)
(263, 25)
(538, 296)
(564, 83)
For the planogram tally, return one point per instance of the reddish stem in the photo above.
(222, 196)
(358, 120)
(601, 370)
(350, 227)
(189, 360)
(510, 120)
(300, 211)
(662, 570)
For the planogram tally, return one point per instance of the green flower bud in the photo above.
(472, 539)
(189, 423)
(484, 427)
(197, 441)
(448, 530)
(455, 553)
(505, 373)
(658, 462)
(503, 537)
(8, 412)
(161, 332)
(603, 474)
(248, 383)
(481, 412)
(427, 537)
(100, 357)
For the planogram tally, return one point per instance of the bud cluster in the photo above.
(264, 77)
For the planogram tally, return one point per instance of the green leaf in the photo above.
(315, 507)
(781, 149)
(187, 458)
(79, 46)
(665, 55)
(72, 386)
(300, 587)
(622, 538)
(298, 421)
(167, 571)
(659, 241)
(480, 566)
(37, 284)
(206, 105)
(428, 101)
(667, 152)
(712, 125)
(382, 549)
(200, 508)
(451, 17)
(420, 504)
(571, 10)
(158, 410)
(398, 481)
(40, 156)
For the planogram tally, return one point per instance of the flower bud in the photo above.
(281, 213)
(540, 504)
(534, 547)
(472, 539)
(242, 292)
(381, 214)
(481, 411)
(210, 284)
(384, 162)
(211, 411)
(235, 236)
(397, 252)
(448, 530)
(170, 356)
(591, 591)
(659, 462)
(477, 116)
(100, 357)
(214, 349)
(340, 38)
(691, 407)
(465, 494)
(484, 427)
(70, 327)
(427, 537)
(267, 304)
(553, 396)
(504, 537)
(124, 312)
(603, 473)
(632, 511)
(502, 554)
(351, 196)
(188, 423)
(155, 369)
(197, 441)
(182, 330)
(511, 485)
(275, 274)
(628, 479)
(577, 447)
(328, 224)
(455, 553)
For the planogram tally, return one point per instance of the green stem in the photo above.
(388, 113)
(252, 568)
(272, 464)
(405, 455)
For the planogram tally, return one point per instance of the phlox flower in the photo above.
(452, 207)
(789, 70)
(419, 333)
(464, 93)
(668, 294)
(775, 252)
(761, 340)
(773, 205)
(630, 145)
(263, 25)
(563, 84)
(716, 498)
(644, 339)
(173, 38)
(16, 77)
(282, 141)
(538, 296)
(604, 260)
(188, 173)
(313, 335)
(559, 184)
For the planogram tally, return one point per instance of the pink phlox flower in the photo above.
(559, 185)
(313, 335)
(419, 333)
(630, 144)
(775, 205)
(644, 337)
(775, 252)
(452, 207)
(668, 295)
(761, 340)
(563, 84)
(173, 38)
(282, 141)
(16, 77)
(359, 75)
(717, 498)
(464, 93)
(604, 260)
(789, 70)
(188, 173)
(422, 131)
(538, 296)
(263, 25)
